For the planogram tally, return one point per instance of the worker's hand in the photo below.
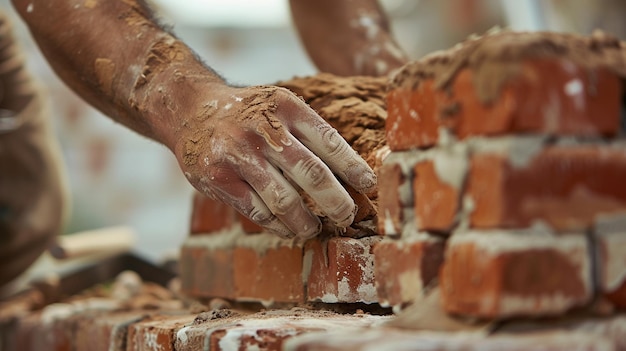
(254, 147)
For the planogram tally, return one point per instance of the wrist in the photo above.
(170, 95)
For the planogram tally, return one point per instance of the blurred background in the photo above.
(119, 178)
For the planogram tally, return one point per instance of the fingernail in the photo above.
(368, 182)
(347, 220)
(312, 231)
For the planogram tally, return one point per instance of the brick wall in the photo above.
(497, 178)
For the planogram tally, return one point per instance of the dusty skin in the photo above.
(277, 147)
(356, 107)
(253, 147)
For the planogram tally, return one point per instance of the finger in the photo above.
(281, 198)
(311, 174)
(242, 197)
(323, 140)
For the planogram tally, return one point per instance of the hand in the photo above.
(253, 147)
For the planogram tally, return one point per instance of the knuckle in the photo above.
(335, 144)
(261, 216)
(284, 202)
(313, 170)
(343, 214)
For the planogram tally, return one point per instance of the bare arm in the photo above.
(241, 145)
(116, 57)
(347, 37)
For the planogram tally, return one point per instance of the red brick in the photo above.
(158, 333)
(610, 238)
(208, 215)
(268, 331)
(403, 268)
(501, 274)
(436, 202)
(56, 326)
(365, 207)
(390, 207)
(103, 331)
(207, 266)
(411, 116)
(268, 269)
(565, 186)
(551, 96)
(340, 270)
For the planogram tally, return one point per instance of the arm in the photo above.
(242, 145)
(347, 37)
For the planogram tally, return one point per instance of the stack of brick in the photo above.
(499, 173)
(509, 146)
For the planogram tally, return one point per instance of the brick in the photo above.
(403, 268)
(436, 202)
(208, 215)
(207, 265)
(268, 331)
(158, 333)
(55, 327)
(610, 238)
(565, 186)
(103, 331)
(195, 335)
(390, 207)
(268, 269)
(501, 274)
(365, 207)
(391, 339)
(340, 270)
(549, 96)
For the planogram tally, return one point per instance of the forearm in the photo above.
(347, 37)
(120, 60)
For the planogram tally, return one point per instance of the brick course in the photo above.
(500, 274)
(405, 267)
(550, 96)
(565, 186)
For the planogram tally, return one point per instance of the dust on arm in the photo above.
(347, 37)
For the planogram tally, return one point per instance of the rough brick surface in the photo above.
(551, 96)
(436, 202)
(208, 215)
(566, 186)
(390, 217)
(157, 333)
(207, 271)
(104, 331)
(340, 270)
(270, 274)
(268, 331)
(403, 268)
(501, 274)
